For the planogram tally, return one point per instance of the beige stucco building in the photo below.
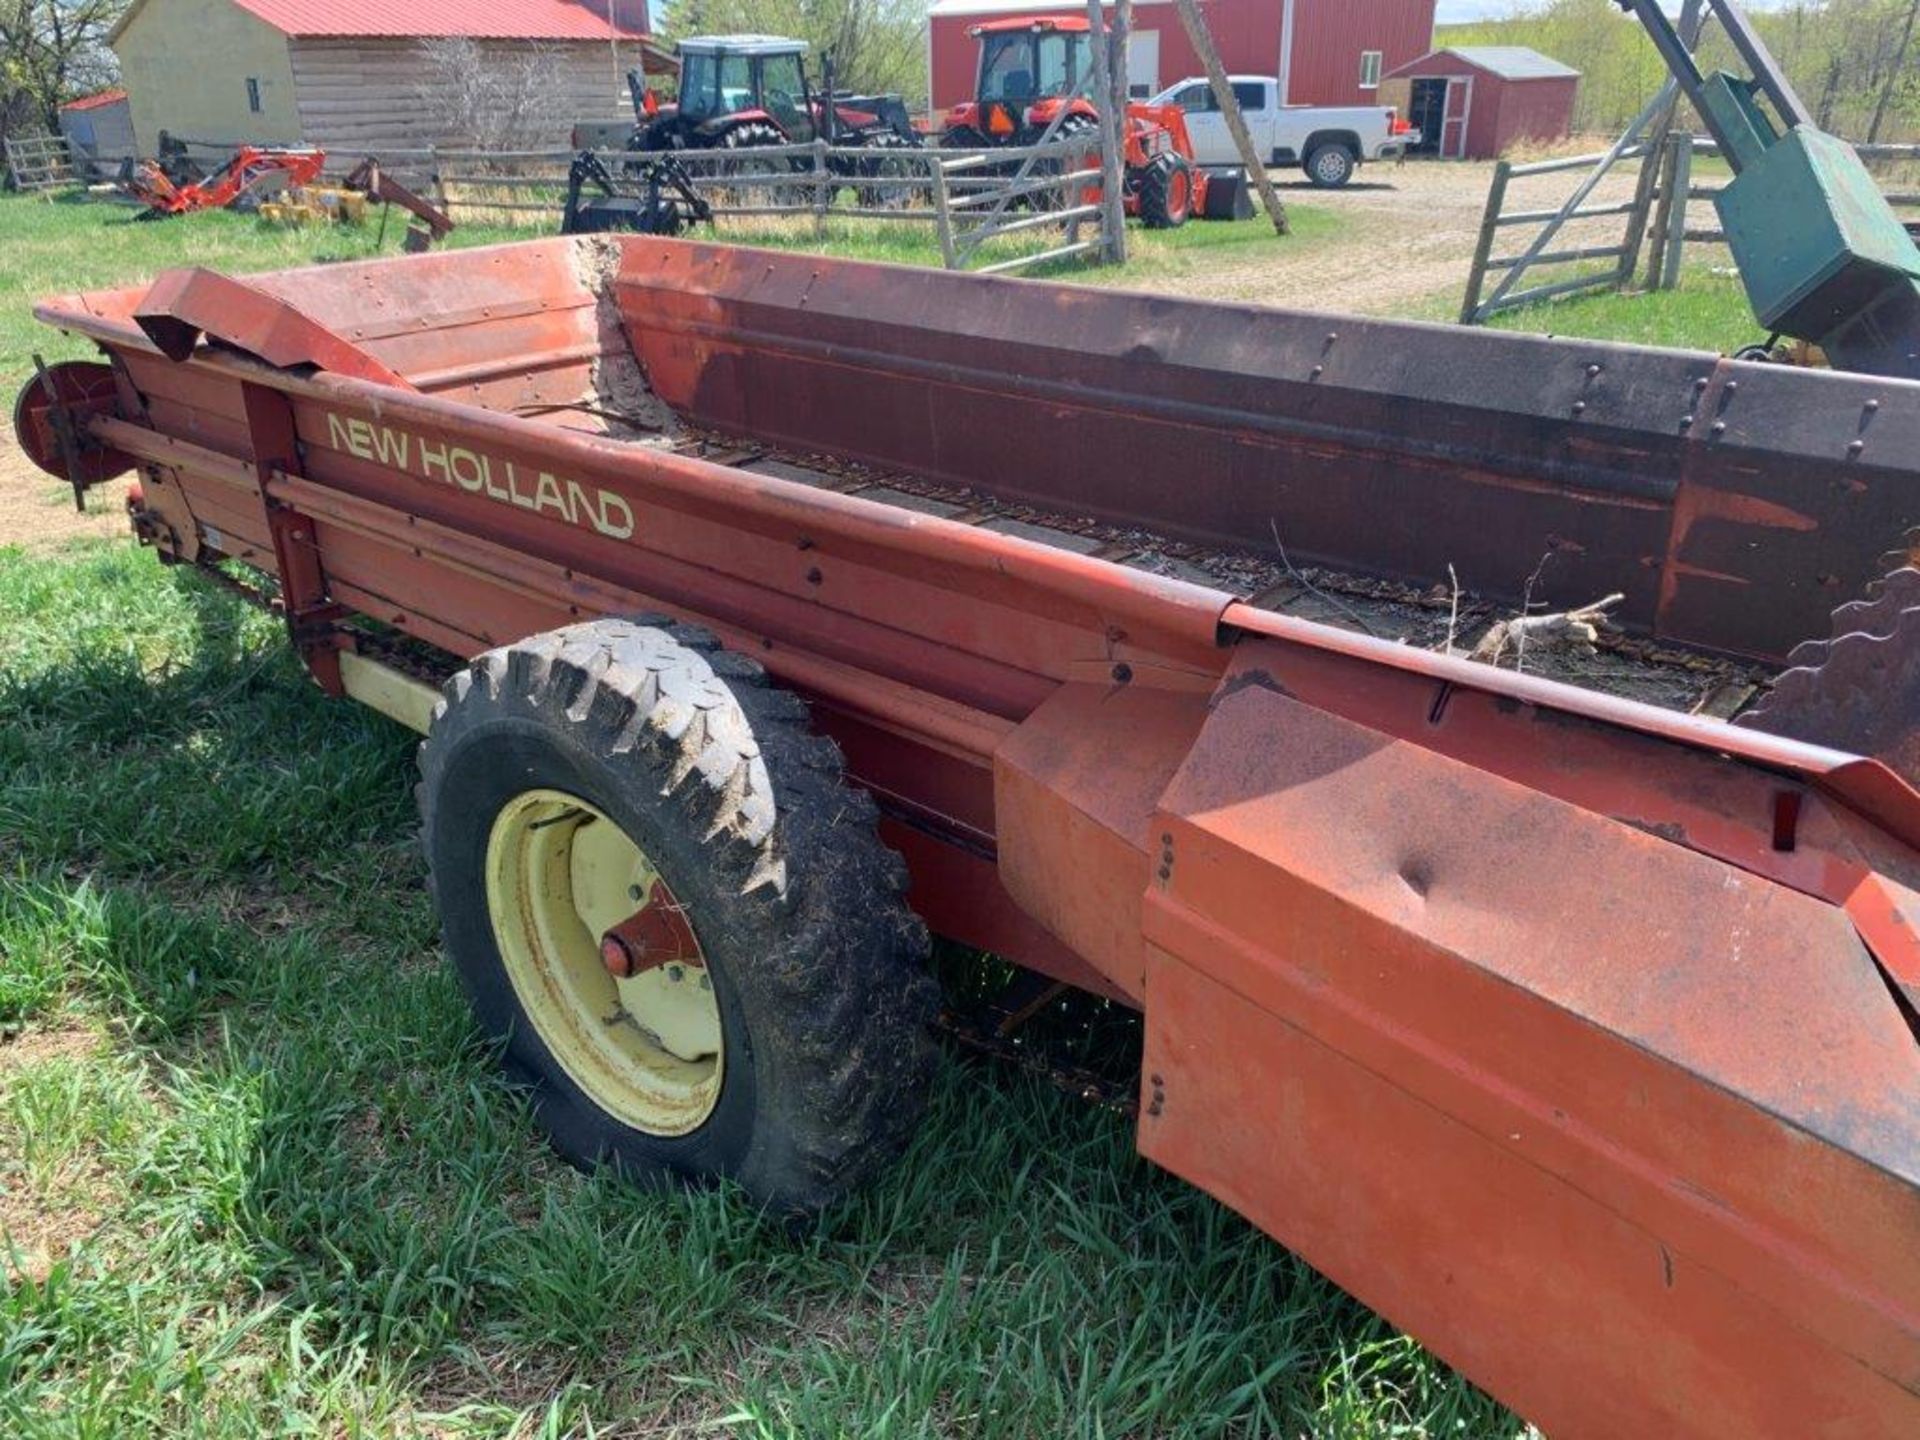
(354, 76)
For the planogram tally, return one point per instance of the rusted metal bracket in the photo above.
(311, 614)
(51, 419)
(183, 305)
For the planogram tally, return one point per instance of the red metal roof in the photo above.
(1065, 23)
(493, 20)
(94, 102)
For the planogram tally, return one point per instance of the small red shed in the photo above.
(1471, 102)
(1325, 52)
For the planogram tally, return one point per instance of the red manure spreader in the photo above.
(1564, 1014)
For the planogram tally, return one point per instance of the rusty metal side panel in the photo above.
(1076, 788)
(1628, 1134)
(1373, 446)
(1587, 1323)
(1797, 488)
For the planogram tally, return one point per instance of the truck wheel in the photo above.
(1166, 193)
(1330, 166)
(674, 915)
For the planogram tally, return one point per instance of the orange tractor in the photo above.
(1034, 67)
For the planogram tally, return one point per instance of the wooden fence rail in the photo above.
(39, 162)
(969, 198)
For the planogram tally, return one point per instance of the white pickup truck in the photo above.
(1328, 142)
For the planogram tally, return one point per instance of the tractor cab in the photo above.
(739, 90)
(1029, 68)
(729, 81)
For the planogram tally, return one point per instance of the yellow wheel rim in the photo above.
(569, 895)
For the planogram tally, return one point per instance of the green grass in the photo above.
(71, 242)
(289, 1194)
(1708, 311)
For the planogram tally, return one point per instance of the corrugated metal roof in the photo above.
(491, 20)
(94, 102)
(1512, 62)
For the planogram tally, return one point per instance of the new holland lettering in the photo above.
(498, 479)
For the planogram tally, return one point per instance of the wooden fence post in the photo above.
(1196, 28)
(1682, 185)
(820, 184)
(1483, 248)
(942, 215)
(437, 179)
(1113, 129)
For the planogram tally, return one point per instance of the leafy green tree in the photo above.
(1855, 62)
(50, 51)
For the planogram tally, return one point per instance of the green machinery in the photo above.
(1822, 255)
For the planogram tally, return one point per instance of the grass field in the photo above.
(257, 1174)
(1708, 311)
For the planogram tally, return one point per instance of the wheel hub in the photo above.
(605, 960)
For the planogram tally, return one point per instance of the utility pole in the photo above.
(1196, 28)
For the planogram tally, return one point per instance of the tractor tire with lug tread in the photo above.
(735, 177)
(1331, 166)
(1166, 193)
(1074, 127)
(887, 163)
(563, 766)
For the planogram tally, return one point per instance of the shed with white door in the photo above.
(1475, 102)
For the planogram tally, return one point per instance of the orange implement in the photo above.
(1572, 1031)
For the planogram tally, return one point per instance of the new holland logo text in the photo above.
(540, 491)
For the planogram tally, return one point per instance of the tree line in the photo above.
(1855, 62)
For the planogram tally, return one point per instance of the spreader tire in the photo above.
(1166, 193)
(553, 763)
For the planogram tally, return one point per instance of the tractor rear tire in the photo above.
(1077, 126)
(634, 769)
(888, 162)
(734, 177)
(1331, 166)
(1166, 193)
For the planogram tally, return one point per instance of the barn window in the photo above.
(1369, 69)
(253, 95)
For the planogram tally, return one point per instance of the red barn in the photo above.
(1472, 102)
(1325, 52)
